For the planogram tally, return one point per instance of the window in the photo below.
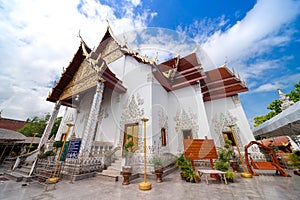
(187, 134)
(229, 136)
(163, 137)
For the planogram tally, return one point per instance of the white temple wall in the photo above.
(70, 116)
(78, 118)
(107, 129)
(186, 112)
(160, 116)
(220, 111)
(118, 67)
(136, 103)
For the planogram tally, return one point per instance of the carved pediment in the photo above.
(111, 52)
(85, 78)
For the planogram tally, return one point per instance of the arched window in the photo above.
(163, 137)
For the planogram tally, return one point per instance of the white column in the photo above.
(86, 143)
(50, 124)
(202, 116)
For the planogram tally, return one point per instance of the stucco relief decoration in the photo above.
(221, 124)
(236, 99)
(102, 115)
(132, 113)
(184, 121)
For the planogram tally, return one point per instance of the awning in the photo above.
(285, 123)
(7, 136)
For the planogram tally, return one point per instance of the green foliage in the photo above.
(274, 106)
(157, 161)
(294, 159)
(37, 125)
(186, 169)
(224, 156)
(58, 144)
(230, 174)
(128, 146)
(49, 153)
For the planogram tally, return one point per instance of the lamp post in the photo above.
(145, 185)
(32, 140)
(245, 174)
(55, 179)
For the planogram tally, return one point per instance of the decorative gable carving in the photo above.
(85, 78)
(111, 52)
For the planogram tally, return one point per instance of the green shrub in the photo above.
(294, 159)
(49, 153)
(58, 144)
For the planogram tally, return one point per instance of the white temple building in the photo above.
(107, 91)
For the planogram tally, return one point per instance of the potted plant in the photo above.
(158, 168)
(126, 173)
(294, 160)
(226, 158)
(192, 175)
(183, 165)
(230, 175)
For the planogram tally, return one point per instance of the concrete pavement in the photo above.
(267, 186)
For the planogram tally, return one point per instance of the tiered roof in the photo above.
(173, 74)
(220, 83)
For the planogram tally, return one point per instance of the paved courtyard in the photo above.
(266, 186)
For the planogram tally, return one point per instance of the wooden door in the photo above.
(131, 130)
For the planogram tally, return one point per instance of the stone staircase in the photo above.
(113, 172)
(20, 174)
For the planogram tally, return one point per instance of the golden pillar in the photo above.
(145, 185)
(245, 174)
(55, 179)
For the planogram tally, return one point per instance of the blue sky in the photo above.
(260, 39)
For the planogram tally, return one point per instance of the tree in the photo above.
(295, 94)
(275, 106)
(38, 125)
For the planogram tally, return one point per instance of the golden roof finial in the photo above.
(155, 57)
(125, 40)
(106, 19)
(196, 48)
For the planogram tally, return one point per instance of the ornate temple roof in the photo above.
(179, 72)
(220, 83)
(65, 81)
(173, 74)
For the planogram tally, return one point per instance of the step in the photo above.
(107, 177)
(23, 171)
(14, 176)
(116, 167)
(112, 172)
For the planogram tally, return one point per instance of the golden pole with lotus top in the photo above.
(145, 185)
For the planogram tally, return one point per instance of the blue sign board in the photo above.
(74, 148)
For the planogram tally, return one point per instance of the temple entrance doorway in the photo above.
(187, 138)
(131, 137)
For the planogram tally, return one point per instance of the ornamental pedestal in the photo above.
(126, 172)
(159, 172)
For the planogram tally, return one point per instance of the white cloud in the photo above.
(135, 2)
(35, 44)
(266, 87)
(262, 29)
